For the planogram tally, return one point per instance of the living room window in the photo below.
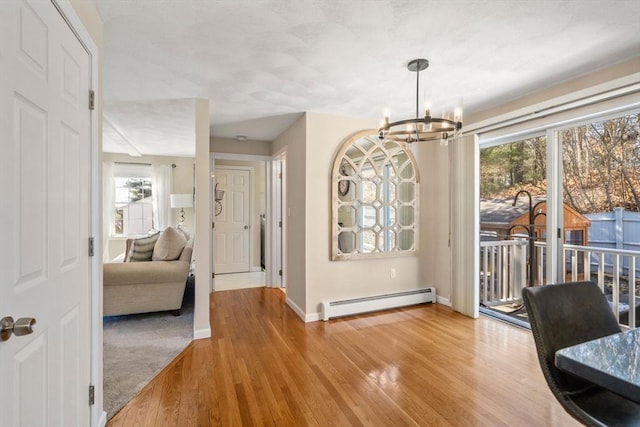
(133, 203)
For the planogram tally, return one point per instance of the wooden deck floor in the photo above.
(419, 366)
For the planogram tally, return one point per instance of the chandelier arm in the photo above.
(424, 120)
(435, 132)
(437, 137)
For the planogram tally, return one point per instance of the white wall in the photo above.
(202, 251)
(312, 143)
(229, 145)
(326, 279)
(294, 140)
(434, 269)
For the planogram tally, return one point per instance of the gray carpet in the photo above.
(138, 346)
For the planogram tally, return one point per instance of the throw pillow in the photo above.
(142, 248)
(127, 250)
(169, 245)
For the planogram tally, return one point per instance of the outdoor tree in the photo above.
(139, 188)
(601, 166)
(601, 163)
(504, 168)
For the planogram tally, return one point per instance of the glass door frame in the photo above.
(555, 176)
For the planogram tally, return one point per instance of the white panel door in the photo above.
(44, 176)
(232, 224)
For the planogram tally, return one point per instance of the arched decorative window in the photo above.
(374, 198)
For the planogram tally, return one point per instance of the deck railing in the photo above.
(614, 270)
(503, 269)
(503, 273)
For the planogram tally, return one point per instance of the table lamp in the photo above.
(181, 201)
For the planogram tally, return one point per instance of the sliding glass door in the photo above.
(513, 205)
(562, 205)
(601, 183)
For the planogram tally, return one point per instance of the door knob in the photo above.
(22, 326)
(246, 227)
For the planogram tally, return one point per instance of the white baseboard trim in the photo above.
(102, 421)
(199, 334)
(296, 309)
(312, 317)
(443, 301)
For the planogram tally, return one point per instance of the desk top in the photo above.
(611, 362)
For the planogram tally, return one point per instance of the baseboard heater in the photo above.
(331, 309)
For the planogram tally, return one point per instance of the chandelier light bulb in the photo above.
(457, 111)
(457, 114)
(428, 105)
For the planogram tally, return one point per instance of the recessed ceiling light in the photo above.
(241, 138)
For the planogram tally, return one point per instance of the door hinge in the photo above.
(559, 233)
(91, 246)
(279, 272)
(213, 275)
(213, 225)
(92, 100)
(92, 395)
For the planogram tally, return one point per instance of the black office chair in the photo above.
(564, 315)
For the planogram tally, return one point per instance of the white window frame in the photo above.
(132, 170)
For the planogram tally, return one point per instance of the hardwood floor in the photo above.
(418, 366)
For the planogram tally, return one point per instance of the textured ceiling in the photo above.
(262, 63)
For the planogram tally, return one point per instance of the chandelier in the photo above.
(425, 128)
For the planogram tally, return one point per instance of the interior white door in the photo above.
(232, 222)
(45, 176)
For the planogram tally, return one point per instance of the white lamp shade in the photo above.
(181, 200)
